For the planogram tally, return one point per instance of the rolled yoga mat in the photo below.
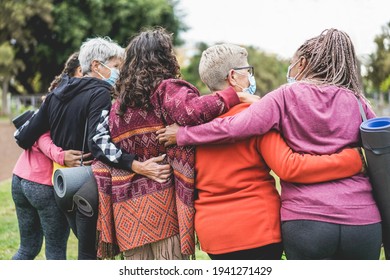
(68, 182)
(375, 135)
(86, 198)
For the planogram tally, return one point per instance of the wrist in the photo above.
(136, 166)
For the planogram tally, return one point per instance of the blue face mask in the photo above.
(252, 85)
(251, 89)
(291, 80)
(113, 76)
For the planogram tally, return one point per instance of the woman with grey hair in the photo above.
(246, 184)
(79, 105)
(318, 113)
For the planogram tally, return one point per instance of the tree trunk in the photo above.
(4, 101)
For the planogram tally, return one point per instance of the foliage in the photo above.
(44, 33)
(190, 73)
(270, 71)
(378, 65)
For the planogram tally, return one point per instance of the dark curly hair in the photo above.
(149, 60)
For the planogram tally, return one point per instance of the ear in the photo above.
(78, 72)
(302, 63)
(230, 78)
(94, 65)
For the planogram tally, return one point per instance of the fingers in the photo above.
(87, 163)
(87, 155)
(74, 152)
(162, 130)
(157, 159)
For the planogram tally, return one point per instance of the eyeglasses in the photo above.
(251, 70)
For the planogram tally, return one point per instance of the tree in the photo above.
(59, 27)
(270, 71)
(378, 65)
(14, 37)
(191, 71)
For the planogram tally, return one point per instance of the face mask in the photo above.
(251, 89)
(113, 76)
(291, 80)
(252, 85)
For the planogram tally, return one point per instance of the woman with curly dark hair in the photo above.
(140, 217)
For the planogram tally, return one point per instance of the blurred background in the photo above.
(37, 36)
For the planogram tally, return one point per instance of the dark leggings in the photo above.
(313, 240)
(84, 228)
(38, 218)
(268, 252)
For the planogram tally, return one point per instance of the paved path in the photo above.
(10, 151)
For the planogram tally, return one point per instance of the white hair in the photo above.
(101, 49)
(216, 62)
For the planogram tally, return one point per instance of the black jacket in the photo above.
(65, 112)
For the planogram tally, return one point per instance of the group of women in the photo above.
(224, 194)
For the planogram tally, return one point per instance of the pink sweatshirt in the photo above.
(36, 163)
(312, 119)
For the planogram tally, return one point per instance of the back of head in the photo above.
(70, 68)
(101, 49)
(216, 61)
(150, 59)
(331, 60)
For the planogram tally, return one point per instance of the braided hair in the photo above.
(70, 68)
(331, 60)
(149, 60)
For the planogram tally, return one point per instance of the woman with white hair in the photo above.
(237, 176)
(77, 107)
(318, 113)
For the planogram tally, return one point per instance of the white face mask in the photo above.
(291, 80)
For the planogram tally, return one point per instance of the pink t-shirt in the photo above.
(36, 163)
(312, 119)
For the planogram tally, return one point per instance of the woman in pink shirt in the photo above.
(33, 194)
(317, 113)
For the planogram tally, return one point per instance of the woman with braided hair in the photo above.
(317, 112)
(72, 69)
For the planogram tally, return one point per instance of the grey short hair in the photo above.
(216, 61)
(101, 49)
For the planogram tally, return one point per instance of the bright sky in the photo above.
(281, 26)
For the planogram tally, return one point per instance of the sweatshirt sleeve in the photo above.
(32, 129)
(105, 150)
(180, 102)
(49, 149)
(306, 168)
(257, 119)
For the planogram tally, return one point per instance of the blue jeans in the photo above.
(38, 216)
(313, 240)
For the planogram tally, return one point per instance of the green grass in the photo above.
(9, 233)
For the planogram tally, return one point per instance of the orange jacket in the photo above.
(238, 206)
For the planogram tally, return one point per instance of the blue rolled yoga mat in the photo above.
(375, 134)
(76, 185)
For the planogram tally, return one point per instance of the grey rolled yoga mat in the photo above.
(375, 134)
(76, 185)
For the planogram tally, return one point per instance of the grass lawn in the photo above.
(9, 234)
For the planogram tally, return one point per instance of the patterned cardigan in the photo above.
(135, 210)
